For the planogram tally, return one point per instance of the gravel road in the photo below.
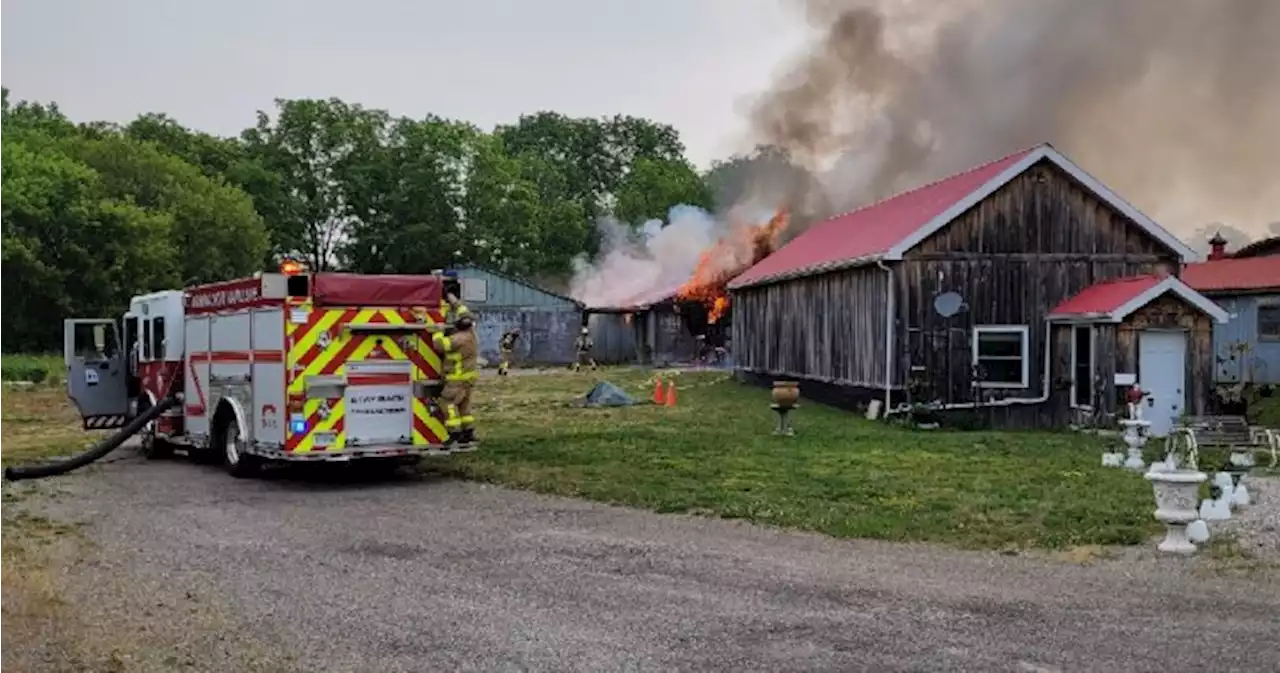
(204, 572)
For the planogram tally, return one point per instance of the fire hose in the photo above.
(40, 471)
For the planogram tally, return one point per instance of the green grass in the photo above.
(34, 368)
(841, 475)
(1266, 411)
(39, 423)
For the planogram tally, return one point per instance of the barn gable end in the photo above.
(1045, 211)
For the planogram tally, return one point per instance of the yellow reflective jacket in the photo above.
(461, 354)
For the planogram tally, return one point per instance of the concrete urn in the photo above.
(1177, 496)
(786, 393)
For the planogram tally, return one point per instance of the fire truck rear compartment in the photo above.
(378, 402)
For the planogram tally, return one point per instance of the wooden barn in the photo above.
(1022, 287)
(654, 328)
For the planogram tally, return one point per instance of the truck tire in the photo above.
(154, 447)
(238, 463)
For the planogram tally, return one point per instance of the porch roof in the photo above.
(1114, 300)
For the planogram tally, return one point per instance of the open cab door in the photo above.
(97, 376)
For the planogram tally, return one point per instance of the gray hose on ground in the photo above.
(101, 449)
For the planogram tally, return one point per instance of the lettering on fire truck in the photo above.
(235, 294)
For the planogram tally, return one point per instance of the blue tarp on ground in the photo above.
(605, 394)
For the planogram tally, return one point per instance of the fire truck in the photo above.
(288, 366)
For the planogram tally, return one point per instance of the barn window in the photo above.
(1082, 366)
(1000, 352)
(1269, 322)
(475, 290)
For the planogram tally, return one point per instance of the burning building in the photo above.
(679, 322)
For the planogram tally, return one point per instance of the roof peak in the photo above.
(933, 183)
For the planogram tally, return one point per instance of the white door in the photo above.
(1162, 370)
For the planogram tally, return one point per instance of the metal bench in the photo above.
(1231, 432)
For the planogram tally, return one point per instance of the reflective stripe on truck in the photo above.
(341, 362)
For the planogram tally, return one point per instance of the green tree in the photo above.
(416, 207)
(214, 230)
(655, 185)
(68, 248)
(326, 153)
(595, 155)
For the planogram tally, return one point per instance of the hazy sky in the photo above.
(689, 63)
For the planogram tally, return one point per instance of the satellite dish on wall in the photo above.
(948, 304)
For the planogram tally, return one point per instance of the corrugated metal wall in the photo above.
(1263, 360)
(656, 337)
(614, 337)
(548, 322)
(483, 288)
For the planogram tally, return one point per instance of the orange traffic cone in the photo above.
(671, 393)
(657, 392)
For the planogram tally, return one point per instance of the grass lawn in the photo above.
(841, 475)
(37, 368)
(36, 423)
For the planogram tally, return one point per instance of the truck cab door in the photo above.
(97, 372)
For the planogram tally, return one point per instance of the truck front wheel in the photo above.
(153, 446)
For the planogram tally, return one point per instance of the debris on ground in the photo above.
(605, 394)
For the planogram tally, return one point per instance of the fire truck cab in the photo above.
(275, 367)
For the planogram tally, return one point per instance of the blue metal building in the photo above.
(1248, 345)
(548, 321)
(1247, 285)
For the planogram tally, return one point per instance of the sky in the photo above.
(694, 64)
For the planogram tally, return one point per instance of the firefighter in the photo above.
(583, 346)
(458, 345)
(506, 348)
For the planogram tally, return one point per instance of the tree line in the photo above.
(96, 212)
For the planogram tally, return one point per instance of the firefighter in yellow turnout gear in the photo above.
(457, 344)
(582, 347)
(506, 349)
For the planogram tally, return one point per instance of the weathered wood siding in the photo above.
(1013, 257)
(828, 328)
(1169, 312)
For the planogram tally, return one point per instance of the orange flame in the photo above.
(740, 249)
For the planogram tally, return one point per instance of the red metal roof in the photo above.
(1105, 297)
(872, 230)
(1225, 275)
(888, 229)
(1114, 300)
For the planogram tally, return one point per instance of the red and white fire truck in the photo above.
(289, 366)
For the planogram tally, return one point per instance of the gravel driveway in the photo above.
(194, 570)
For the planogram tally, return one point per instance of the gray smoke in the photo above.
(1174, 104)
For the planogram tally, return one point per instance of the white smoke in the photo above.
(654, 258)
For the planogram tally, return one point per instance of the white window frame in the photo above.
(1021, 330)
(1093, 363)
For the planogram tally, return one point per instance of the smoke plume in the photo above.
(1174, 104)
(631, 263)
(659, 258)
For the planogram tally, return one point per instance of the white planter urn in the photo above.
(1135, 437)
(1176, 494)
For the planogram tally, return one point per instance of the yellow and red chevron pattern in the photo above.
(321, 345)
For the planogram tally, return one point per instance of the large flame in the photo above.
(744, 245)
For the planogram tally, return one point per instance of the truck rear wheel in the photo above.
(239, 464)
